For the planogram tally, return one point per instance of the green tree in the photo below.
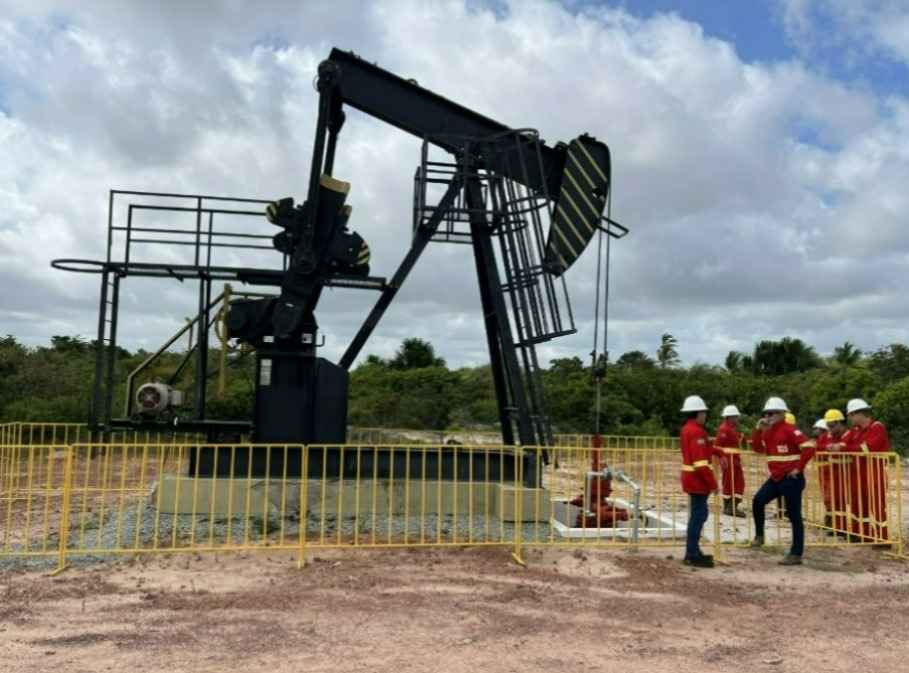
(51, 385)
(891, 362)
(831, 388)
(735, 361)
(12, 357)
(619, 415)
(475, 401)
(71, 345)
(419, 398)
(891, 407)
(655, 392)
(235, 403)
(371, 400)
(788, 355)
(846, 355)
(571, 394)
(415, 354)
(426, 397)
(798, 355)
(668, 352)
(13, 361)
(635, 360)
(376, 360)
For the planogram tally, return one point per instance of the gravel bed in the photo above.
(134, 528)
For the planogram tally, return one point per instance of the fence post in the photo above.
(518, 501)
(64, 507)
(304, 495)
(898, 468)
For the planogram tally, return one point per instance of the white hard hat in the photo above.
(820, 424)
(693, 403)
(730, 410)
(775, 404)
(856, 405)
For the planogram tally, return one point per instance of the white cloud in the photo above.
(765, 200)
(850, 31)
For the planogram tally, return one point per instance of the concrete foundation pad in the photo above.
(535, 504)
(177, 494)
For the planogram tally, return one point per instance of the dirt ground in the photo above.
(461, 610)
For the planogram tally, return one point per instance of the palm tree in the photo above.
(788, 355)
(376, 361)
(668, 352)
(735, 361)
(798, 355)
(846, 355)
(415, 354)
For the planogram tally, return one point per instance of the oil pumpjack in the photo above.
(495, 186)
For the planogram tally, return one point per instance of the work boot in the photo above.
(738, 511)
(758, 541)
(727, 508)
(702, 561)
(791, 560)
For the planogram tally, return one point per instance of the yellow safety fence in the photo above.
(78, 501)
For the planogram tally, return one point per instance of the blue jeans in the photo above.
(696, 520)
(791, 489)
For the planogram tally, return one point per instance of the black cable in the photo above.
(606, 284)
(596, 327)
(601, 377)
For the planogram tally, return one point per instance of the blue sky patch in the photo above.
(755, 29)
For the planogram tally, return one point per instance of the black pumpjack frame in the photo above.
(497, 182)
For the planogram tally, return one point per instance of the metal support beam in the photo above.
(420, 239)
(406, 105)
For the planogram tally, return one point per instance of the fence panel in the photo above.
(95, 499)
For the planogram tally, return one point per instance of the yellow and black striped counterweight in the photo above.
(580, 202)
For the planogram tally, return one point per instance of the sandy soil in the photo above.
(460, 610)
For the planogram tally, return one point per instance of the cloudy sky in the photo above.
(760, 156)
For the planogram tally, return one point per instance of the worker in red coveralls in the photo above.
(781, 501)
(867, 438)
(729, 442)
(833, 473)
(698, 480)
(788, 451)
(819, 429)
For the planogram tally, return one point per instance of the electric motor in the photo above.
(153, 398)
